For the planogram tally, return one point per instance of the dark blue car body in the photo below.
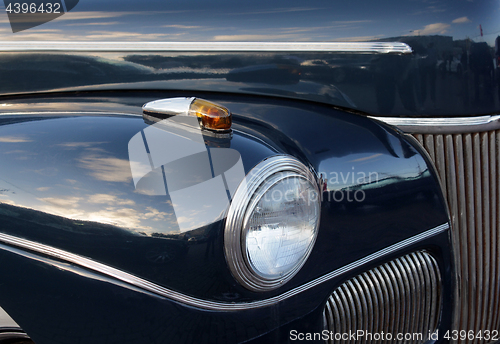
(69, 108)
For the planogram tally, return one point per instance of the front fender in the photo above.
(88, 241)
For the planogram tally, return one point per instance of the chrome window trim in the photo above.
(154, 288)
(342, 47)
(443, 125)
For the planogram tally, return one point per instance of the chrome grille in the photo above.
(401, 296)
(468, 165)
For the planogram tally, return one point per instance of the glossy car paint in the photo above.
(257, 87)
(66, 183)
(424, 83)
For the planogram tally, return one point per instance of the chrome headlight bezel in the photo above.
(239, 212)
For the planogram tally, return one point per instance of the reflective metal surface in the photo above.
(169, 107)
(238, 214)
(443, 125)
(469, 167)
(342, 47)
(255, 49)
(67, 182)
(402, 296)
(68, 257)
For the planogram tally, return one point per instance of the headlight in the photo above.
(272, 223)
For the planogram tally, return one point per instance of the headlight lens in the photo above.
(281, 226)
(272, 223)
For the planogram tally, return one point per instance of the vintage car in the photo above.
(261, 172)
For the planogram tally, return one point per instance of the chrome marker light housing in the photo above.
(272, 223)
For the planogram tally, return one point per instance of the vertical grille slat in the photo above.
(459, 233)
(468, 165)
(410, 274)
(353, 309)
(397, 297)
(469, 230)
(430, 302)
(390, 278)
(440, 160)
(493, 225)
(478, 208)
(429, 142)
(381, 295)
(485, 183)
(495, 230)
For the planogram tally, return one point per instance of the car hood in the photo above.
(61, 55)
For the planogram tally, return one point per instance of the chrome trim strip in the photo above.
(204, 304)
(347, 47)
(58, 113)
(169, 106)
(443, 125)
(388, 250)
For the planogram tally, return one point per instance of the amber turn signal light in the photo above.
(212, 116)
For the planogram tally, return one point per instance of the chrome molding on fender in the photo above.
(443, 125)
(12, 241)
(342, 47)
